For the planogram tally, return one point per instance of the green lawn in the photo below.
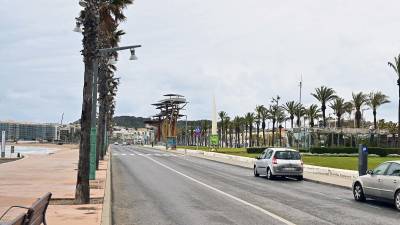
(349, 163)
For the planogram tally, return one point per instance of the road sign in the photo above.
(214, 139)
(197, 131)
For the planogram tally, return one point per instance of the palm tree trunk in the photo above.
(258, 134)
(82, 191)
(291, 120)
(263, 131)
(398, 122)
(375, 124)
(251, 136)
(273, 132)
(323, 108)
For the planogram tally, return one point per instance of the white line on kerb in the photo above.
(224, 193)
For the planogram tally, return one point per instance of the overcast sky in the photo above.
(244, 52)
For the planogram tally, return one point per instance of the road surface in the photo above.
(156, 187)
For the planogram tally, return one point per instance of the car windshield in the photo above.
(287, 155)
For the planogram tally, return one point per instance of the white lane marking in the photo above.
(116, 154)
(132, 154)
(123, 154)
(224, 193)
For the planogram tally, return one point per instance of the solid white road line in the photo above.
(131, 154)
(225, 194)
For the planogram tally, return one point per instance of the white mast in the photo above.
(214, 118)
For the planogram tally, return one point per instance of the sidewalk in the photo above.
(338, 181)
(22, 181)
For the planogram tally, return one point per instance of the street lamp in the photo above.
(93, 129)
(77, 28)
(133, 55)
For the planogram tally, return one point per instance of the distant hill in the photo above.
(129, 121)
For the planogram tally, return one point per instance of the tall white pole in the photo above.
(214, 118)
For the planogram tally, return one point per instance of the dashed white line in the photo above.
(224, 193)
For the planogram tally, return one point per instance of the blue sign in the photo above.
(197, 131)
(365, 149)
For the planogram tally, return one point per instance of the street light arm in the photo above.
(108, 50)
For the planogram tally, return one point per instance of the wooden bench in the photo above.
(35, 215)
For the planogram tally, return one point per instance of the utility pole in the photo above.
(300, 87)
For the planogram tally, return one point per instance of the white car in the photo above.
(279, 162)
(115, 143)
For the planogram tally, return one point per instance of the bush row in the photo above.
(347, 150)
(259, 150)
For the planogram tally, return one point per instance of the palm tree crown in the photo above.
(375, 100)
(313, 112)
(359, 99)
(324, 95)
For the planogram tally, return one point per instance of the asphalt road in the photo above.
(155, 187)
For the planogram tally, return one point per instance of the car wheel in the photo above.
(270, 176)
(300, 177)
(255, 172)
(358, 193)
(397, 200)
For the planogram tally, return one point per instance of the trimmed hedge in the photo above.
(259, 150)
(347, 150)
(255, 150)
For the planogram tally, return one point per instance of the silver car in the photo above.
(279, 162)
(382, 183)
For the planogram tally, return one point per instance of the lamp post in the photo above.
(93, 129)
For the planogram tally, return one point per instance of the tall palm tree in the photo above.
(227, 123)
(313, 113)
(359, 99)
(259, 111)
(396, 68)
(250, 121)
(90, 20)
(290, 108)
(273, 112)
(222, 115)
(375, 100)
(339, 106)
(280, 118)
(324, 95)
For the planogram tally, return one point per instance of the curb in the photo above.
(106, 216)
(326, 183)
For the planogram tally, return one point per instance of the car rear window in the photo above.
(287, 155)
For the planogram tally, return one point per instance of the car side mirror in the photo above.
(370, 172)
(258, 157)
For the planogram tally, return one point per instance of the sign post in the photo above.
(362, 160)
(3, 144)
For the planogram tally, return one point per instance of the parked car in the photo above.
(382, 183)
(115, 143)
(279, 162)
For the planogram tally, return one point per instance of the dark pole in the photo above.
(398, 112)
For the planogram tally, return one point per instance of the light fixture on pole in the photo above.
(77, 28)
(82, 3)
(133, 56)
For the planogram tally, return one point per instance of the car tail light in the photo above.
(274, 161)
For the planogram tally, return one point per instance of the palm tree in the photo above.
(290, 108)
(227, 123)
(324, 95)
(359, 99)
(90, 20)
(300, 112)
(273, 112)
(280, 118)
(375, 100)
(259, 111)
(250, 121)
(396, 68)
(313, 112)
(264, 117)
(222, 115)
(339, 106)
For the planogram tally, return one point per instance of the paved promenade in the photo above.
(24, 180)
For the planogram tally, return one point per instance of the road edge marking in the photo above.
(224, 193)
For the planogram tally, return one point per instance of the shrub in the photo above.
(347, 150)
(255, 150)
